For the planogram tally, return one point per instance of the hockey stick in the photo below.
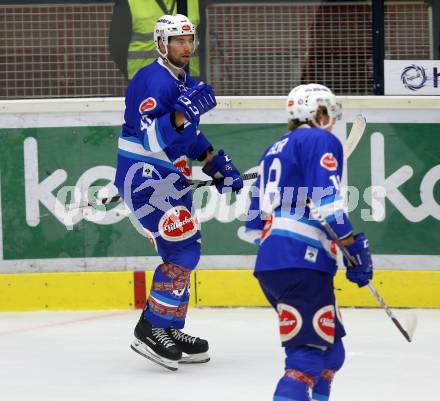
(355, 135)
(117, 198)
(356, 132)
(407, 332)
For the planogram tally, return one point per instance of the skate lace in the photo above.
(161, 336)
(180, 336)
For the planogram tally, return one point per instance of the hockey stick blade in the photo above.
(117, 198)
(355, 135)
(409, 328)
(411, 325)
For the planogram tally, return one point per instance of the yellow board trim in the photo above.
(115, 290)
(228, 288)
(399, 288)
(66, 291)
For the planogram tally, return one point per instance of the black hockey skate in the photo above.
(194, 349)
(156, 345)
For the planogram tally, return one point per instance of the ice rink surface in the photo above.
(85, 356)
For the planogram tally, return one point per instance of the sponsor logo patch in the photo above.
(329, 162)
(147, 104)
(324, 323)
(311, 254)
(267, 227)
(177, 224)
(333, 249)
(147, 170)
(182, 166)
(290, 321)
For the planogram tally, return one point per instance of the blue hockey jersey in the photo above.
(148, 138)
(305, 163)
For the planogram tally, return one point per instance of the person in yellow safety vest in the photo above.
(131, 41)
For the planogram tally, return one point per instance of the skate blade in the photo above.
(143, 349)
(195, 358)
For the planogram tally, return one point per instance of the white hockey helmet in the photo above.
(303, 102)
(173, 25)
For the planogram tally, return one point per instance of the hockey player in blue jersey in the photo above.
(162, 115)
(296, 261)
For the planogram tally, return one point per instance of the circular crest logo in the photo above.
(413, 77)
(324, 323)
(177, 224)
(290, 321)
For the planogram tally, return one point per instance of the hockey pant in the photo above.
(310, 330)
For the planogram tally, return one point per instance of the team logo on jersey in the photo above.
(147, 104)
(324, 323)
(177, 224)
(329, 162)
(186, 28)
(290, 321)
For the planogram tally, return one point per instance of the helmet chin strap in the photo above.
(167, 60)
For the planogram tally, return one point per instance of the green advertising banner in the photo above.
(401, 162)
(393, 184)
(36, 163)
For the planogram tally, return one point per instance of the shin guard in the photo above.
(334, 359)
(294, 386)
(169, 296)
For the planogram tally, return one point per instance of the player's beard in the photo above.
(177, 62)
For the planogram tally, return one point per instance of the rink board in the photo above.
(46, 145)
(117, 290)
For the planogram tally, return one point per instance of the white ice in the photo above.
(85, 356)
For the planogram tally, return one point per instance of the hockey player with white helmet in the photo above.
(296, 260)
(161, 129)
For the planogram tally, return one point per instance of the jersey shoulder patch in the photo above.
(329, 161)
(147, 105)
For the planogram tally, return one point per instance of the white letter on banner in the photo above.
(391, 184)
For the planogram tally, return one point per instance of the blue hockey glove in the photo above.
(196, 101)
(221, 168)
(363, 272)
